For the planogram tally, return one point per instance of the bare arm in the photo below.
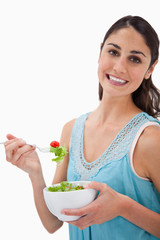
(61, 170)
(142, 217)
(147, 164)
(25, 157)
(111, 204)
(50, 222)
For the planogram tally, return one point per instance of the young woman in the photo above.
(116, 146)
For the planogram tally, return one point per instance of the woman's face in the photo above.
(124, 62)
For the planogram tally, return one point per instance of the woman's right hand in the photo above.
(25, 157)
(22, 155)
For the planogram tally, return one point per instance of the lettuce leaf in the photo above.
(60, 152)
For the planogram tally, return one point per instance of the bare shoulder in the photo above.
(149, 143)
(67, 132)
(147, 154)
(69, 125)
(150, 138)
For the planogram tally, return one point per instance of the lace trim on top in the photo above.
(117, 149)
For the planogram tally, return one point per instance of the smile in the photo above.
(116, 81)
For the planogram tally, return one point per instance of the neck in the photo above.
(111, 109)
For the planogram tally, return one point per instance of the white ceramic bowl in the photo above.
(56, 201)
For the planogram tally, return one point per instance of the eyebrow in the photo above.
(133, 51)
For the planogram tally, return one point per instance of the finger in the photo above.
(73, 212)
(10, 136)
(20, 152)
(80, 211)
(12, 147)
(96, 185)
(80, 221)
(83, 222)
(14, 144)
(11, 139)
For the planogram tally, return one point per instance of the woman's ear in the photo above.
(150, 70)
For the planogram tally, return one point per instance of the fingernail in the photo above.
(32, 145)
(22, 141)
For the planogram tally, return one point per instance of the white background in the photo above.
(48, 75)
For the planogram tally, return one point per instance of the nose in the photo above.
(120, 65)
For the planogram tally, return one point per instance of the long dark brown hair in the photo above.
(147, 96)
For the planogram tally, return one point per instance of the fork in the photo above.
(41, 149)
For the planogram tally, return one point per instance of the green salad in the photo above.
(64, 187)
(59, 151)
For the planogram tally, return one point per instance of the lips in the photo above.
(116, 81)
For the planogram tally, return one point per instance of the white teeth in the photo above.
(116, 79)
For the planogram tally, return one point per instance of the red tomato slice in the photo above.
(54, 144)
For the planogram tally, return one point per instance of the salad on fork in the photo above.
(59, 151)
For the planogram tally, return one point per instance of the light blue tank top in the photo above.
(113, 168)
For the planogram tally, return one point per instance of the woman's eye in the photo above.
(113, 52)
(135, 59)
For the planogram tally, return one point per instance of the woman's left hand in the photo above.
(107, 206)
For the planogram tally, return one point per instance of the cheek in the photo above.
(137, 79)
(104, 66)
(138, 76)
(100, 73)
